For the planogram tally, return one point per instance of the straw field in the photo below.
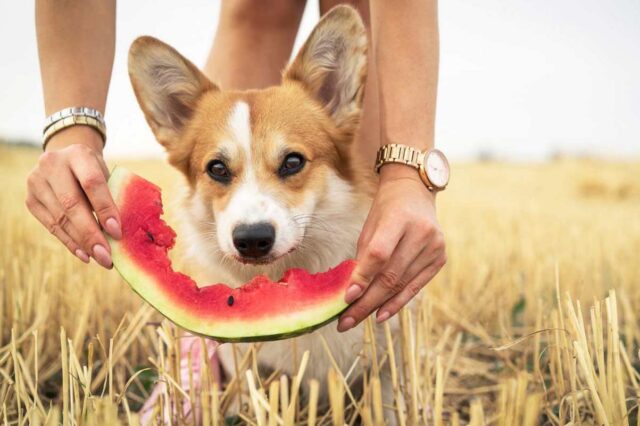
(534, 320)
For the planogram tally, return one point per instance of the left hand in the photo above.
(401, 248)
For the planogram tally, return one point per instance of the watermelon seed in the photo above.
(150, 236)
(230, 301)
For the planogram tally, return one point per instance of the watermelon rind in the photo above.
(275, 327)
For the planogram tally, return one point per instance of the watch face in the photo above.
(437, 168)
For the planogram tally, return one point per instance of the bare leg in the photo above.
(253, 42)
(368, 139)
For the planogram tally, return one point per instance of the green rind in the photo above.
(274, 328)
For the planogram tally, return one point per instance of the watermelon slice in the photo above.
(258, 310)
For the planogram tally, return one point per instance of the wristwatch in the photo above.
(432, 165)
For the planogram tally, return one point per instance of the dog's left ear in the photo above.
(332, 65)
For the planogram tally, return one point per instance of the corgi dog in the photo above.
(271, 181)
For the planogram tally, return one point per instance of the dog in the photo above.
(271, 179)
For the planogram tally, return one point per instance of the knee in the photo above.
(262, 15)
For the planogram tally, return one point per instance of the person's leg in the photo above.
(253, 42)
(367, 141)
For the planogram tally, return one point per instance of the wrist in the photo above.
(76, 135)
(394, 171)
(390, 173)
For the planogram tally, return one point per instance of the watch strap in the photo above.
(398, 153)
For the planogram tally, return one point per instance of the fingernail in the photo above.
(80, 254)
(346, 323)
(113, 228)
(382, 316)
(102, 256)
(353, 293)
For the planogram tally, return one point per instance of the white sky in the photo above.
(518, 78)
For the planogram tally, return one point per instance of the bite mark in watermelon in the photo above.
(261, 309)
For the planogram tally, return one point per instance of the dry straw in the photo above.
(533, 321)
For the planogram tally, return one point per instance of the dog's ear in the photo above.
(167, 86)
(332, 65)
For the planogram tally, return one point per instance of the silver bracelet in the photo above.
(72, 112)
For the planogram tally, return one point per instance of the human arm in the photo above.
(401, 246)
(76, 43)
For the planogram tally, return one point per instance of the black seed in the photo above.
(230, 301)
(150, 236)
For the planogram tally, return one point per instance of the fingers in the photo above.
(45, 218)
(373, 254)
(421, 271)
(76, 208)
(403, 268)
(64, 190)
(55, 186)
(393, 305)
(389, 281)
(41, 192)
(426, 256)
(92, 178)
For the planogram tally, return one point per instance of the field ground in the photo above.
(534, 320)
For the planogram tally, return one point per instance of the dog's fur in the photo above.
(317, 213)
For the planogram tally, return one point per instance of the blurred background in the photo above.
(519, 79)
(534, 319)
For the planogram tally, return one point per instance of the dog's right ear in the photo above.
(167, 86)
(332, 65)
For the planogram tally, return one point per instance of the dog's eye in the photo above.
(292, 164)
(217, 170)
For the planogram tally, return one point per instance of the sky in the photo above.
(519, 79)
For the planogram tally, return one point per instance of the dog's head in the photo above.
(261, 164)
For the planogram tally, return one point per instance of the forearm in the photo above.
(406, 43)
(76, 44)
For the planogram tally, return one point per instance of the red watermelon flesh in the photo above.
(258, 310)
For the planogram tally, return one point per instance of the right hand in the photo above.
(67, 186)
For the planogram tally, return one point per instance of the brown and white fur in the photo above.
(317, 213)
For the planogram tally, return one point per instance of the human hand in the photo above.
(68, 184)
(401, 248)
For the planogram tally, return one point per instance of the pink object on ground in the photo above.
(188, 344)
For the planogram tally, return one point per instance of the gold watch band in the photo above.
(398, 153)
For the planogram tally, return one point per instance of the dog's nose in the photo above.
(254, 240)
